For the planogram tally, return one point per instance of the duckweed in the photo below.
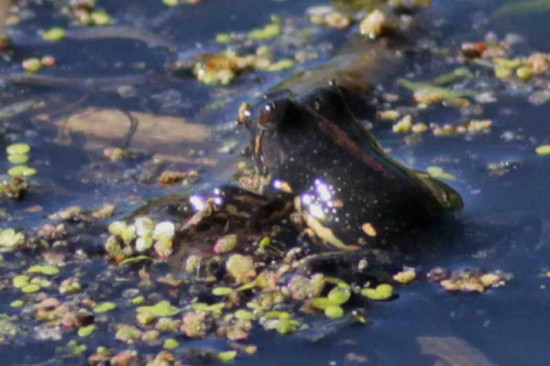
(171, 3)
(269, 31)
(381, 292)
(86, 330)
(18, 149)
(160, 309)
(543, 150)
(100, 17)
(222, 291)
(54, 34)
(32, 65)
(104, 307)
(30, 288)
(227, 356)
(244, 315)
(170, 344)
(45, 270)
(18, 158)
(17, 303)
(339, 295)
(20, 281)
(22, 171)
(10, 240)
(241, 268)
(334, 311)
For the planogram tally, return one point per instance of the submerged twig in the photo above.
(120, 32)
(105, 84)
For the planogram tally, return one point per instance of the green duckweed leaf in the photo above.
(18, 149)
(170, 344)
(104, 307)
(381, 292)
(227, 356)
(222, 291)
(160, 309)
(334, 311)
(45, 270)
(86, 330)
(339, 295)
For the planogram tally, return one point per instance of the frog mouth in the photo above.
(259, 158)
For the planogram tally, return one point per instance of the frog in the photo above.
(321, 188)
(346, 190)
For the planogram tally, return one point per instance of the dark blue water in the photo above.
(504, 225)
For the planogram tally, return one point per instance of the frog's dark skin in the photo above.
(354, 189)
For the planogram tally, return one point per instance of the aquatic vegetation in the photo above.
(407, 275)
(54, 34)
(15, 188)
(381, 292)
(171, 177)
(329, 17)
(241, 268)
(543, 150)
(160, 309)
(236, 278)
(10, 240)
(227, 356)
(473, 280)
(141, 237)
(226, 244)
(378, 23)
(224, 68)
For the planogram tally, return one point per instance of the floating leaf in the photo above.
(381, 292)
(321, 303)
(164, 230)
(18, 149)
(241, 268)
(140, 258)
(226, 244)
(144, 226)
(227, 356)
(246, 286)
(20, 281)
(18, 158)
(334, 311)
(222, 291)
(30, 288)
(22, 171)
(87, 330)
(405, 276)
(336, 281)
(171, 344)
(245, 315)
(17, 303)
(104, 307)
(45, 270)
(339, 295)
(269, 31)
(543, 150)
(162, 308)
(54, 34)
(100, 17)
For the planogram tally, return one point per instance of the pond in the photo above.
(119, 119)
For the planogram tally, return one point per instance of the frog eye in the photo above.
(267, 115)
